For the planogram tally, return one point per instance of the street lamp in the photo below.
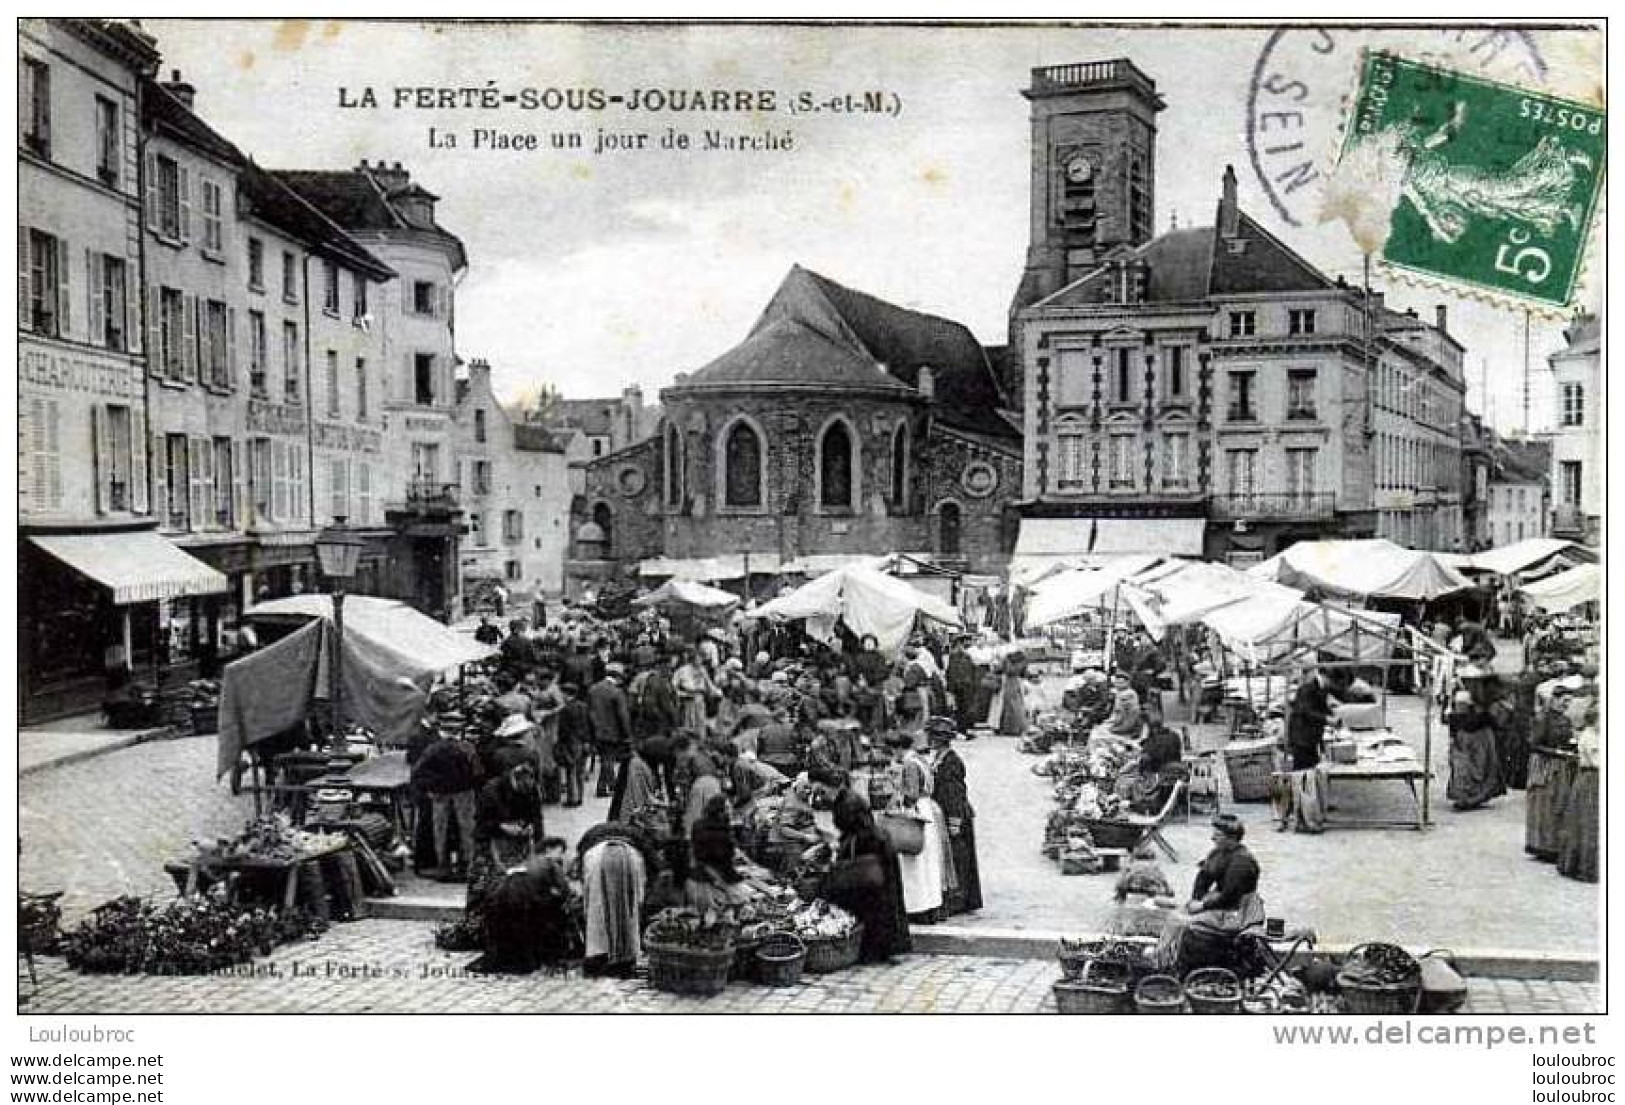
(338, 550)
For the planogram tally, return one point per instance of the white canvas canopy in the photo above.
(1532, 553)
(868, 601)
(1068, 594)
(1566, 590)
(683, 592)
(418, 645)
(1371, 568)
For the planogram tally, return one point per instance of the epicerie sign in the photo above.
(58, 371)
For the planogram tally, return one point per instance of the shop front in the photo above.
(99, 614)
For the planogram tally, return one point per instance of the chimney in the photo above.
(1441, 317)
(926, 384)
(390, 178)
(179, 89)
(632, 396)
(1229, 213)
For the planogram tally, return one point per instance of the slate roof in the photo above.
(594, 417)
(533, 437)
(817, 332)
(357, 200)
(1522, 461)
(268, 197)
(1196, 263)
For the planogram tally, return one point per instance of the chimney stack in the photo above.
(180, 89)
(1229, 213)
(1441, 316)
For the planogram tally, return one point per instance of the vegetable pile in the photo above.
(272, 838)
(1379, 965)
(712, 930)
(1214, 988)
(187, 936)
(820, 920)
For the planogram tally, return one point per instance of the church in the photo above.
(841, 426)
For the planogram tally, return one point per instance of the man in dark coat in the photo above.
(575, 737)
(656, 711)
(449, 773)
(611, 727)
(962, 682)
(1306, 721)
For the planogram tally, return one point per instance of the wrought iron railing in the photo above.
(1287, 504)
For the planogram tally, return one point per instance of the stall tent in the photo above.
(1371, 568)
(866, 600)
(1566, 590)
(1534, 556)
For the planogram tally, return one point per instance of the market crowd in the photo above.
(717, 746)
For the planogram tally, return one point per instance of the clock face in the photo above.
(1078, 169)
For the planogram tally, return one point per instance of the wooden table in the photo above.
(1409, 772)
(216, 868)
(387, 775)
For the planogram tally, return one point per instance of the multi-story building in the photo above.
(592, 428)
(252, 448)
(1206, 391)
(515, 492)
(1519, 497)
(1577, 457)
(393, 218)
(84, 510)
(1476, 439)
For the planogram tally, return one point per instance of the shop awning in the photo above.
(1080, 537)
(137, 567)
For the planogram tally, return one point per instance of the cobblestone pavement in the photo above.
(105, 826)
(393, 966)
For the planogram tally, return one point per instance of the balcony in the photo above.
(1568, 520)
(425, 491)
(1275, 506)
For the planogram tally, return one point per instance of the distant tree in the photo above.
(539, 403)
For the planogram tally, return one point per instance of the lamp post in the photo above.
(338, 549)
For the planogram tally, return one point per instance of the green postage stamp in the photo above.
(1490, 185)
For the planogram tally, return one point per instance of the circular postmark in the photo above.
(1304, 74)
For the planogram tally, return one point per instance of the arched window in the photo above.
(674, 466)
(835, 467)
(899, 469)
(742, 466)
(949, 522)
(605, 520)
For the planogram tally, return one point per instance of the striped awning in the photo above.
(136, 567)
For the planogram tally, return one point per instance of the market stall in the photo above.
(1558, 594)
(866, 601)
(1371, 568)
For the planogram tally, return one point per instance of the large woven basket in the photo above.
(1159, 995)
(1204, 1004)
(780, 959)
(836, 953)
(702, 972)
(1250, 770)
(905, 831)
(1386, 999)
(1102, 989)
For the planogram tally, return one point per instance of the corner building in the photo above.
(1206, 392)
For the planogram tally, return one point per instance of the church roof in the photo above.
(817, 332)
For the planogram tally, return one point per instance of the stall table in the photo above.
(386, 775)
(198, 873)
(1409, 772)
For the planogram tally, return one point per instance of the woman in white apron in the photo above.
(924, 875)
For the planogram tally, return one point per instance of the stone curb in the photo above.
(125, 739)
(1034, 944)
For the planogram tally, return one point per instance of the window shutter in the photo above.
(155, 336)
(53, 449)
(206, 480)
(101, 452)
(25, 271)
(132, 309)
(138, 461)
(64, 289)
(231, 348)
(363, 493)
(300, 498)
(93, 298)
(152, 191)
(186, 203)
(244, 506)
(159, 452)
(407, 392)
(194, 484)
(279, 480)
(189, 349)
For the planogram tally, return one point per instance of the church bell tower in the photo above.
(1093, 170)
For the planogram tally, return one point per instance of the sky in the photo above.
(594, 271)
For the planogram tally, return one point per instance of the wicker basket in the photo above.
(834, 953)
(1250, 768)
(1075, 960)
(1101, 990)
(1114, 834)
(905, 831)
(1208, 1005)
(676, 969)
(1159, 995)
(1386, 999)
(780, 959)
(743, 967)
